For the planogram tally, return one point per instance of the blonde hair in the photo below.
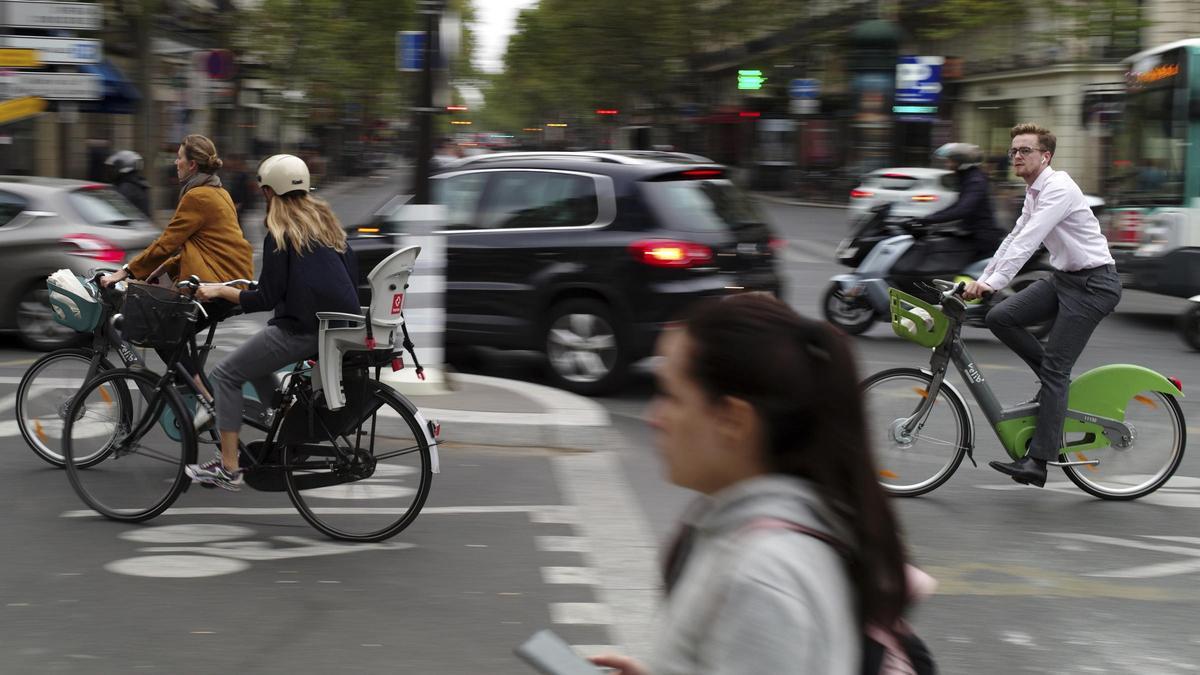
(303, 222)
(202, 151)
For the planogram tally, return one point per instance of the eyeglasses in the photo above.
(1025, 151)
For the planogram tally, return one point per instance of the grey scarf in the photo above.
(197, 179)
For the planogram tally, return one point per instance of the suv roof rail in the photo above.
(549, 154)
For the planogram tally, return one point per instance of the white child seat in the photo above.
(388, 282)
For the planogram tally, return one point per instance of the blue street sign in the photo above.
(410, 50)
(804, 88)
(919, 80)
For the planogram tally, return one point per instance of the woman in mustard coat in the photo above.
(203, 237)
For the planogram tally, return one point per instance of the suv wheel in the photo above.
(585, 347)
(36, 326)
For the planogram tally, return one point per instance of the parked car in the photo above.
(585, 256)
(47, 224)
(916, 191)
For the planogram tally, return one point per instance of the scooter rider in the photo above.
(129, 180)
(974, 205)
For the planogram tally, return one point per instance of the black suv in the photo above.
(585, 256)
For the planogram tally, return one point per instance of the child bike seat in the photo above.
(375, 329)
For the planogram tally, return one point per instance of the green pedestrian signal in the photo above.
(750, 79)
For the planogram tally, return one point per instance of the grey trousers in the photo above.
(1077, 301)
(256, 361)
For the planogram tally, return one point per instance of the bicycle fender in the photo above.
(427, 429)
(1105, 391)
(969, 441)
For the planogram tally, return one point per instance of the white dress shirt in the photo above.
(1055, 214)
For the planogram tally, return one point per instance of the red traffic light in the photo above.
(607, 111)
(747, 113)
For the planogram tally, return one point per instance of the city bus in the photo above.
(1153, 186)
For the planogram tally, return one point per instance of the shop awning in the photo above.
(119, 96)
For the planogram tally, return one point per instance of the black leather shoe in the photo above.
(1026, 471)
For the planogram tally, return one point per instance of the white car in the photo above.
(912, 191)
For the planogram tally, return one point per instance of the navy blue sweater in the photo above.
(298, 285)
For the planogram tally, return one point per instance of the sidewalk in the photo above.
(491, 411)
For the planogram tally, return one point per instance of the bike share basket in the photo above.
(75, 305)
(916, 320)
(157, 317)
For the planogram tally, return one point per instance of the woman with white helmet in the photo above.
(307, 267)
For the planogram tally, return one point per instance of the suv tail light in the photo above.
(668, 253)
(859, 194)
(95, 248)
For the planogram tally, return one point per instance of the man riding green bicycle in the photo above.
(1082, 291)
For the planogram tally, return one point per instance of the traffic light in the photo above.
(607, 111)
(750, 79)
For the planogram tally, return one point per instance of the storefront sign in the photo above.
(18, 58)
(62, 15)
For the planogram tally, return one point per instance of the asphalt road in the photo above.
(511, 541)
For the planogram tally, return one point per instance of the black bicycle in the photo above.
(358, 473)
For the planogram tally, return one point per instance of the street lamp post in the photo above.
(431, 9)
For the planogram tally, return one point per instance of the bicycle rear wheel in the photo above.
(1160, 436)
(366, 484)
(911, 465)
(141, 474)
(43, 396)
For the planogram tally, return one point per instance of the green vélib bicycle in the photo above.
(1123, 438)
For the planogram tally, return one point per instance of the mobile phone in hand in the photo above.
(551, 655)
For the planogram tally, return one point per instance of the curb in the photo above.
(567, 421)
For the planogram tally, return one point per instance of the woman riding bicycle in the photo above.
(203, 237)
(307, 267)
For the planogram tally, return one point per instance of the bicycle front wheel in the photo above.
(911, 464)
(43, 396)
(1159, 438)
(368, 483)
(148, 439)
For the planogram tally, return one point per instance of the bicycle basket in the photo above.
(156, 317)
(79, 308)
(916, 320)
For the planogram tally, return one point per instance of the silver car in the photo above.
(47, 224)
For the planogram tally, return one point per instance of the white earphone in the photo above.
(1043, 160)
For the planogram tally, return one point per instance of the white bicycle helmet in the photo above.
(283, 174)
(965, 155)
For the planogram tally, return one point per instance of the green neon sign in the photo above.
(750, 79)
(915, 109)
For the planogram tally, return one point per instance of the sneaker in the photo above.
(214, 473)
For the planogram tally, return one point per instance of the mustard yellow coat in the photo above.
(203, 238)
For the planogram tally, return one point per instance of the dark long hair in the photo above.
(800, 377)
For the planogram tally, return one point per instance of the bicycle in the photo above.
(1124, 436)
(337, 434)
(50, 383)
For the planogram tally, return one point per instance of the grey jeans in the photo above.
(256, 361)
(1077, 301)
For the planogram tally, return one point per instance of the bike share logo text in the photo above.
(973, 374)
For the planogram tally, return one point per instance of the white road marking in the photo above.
(562, 544)
(623, 550)
(283, 511)
(176, 566)
(1152, 571)
(191, 533)
(570, 575)
(594, 613)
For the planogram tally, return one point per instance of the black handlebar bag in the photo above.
(154, 316)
